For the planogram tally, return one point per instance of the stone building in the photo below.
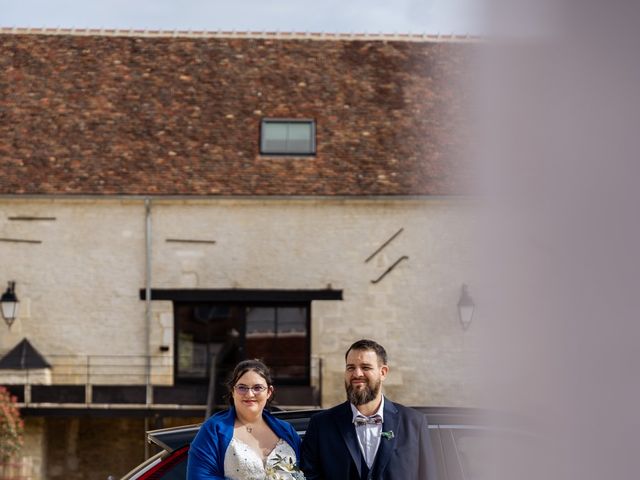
(174, 202)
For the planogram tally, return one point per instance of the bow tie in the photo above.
(361, 420)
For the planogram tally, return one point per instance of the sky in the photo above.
(344, 16)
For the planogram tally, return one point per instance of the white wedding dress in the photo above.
(241, 462)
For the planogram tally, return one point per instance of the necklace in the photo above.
(247, 427)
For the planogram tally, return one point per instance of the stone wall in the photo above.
(87, 447)
(79, 288)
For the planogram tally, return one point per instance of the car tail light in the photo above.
(167, 464)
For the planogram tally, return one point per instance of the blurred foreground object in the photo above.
(559, 108)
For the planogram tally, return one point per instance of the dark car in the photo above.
(458, 435)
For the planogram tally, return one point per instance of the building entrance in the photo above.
(222, 334)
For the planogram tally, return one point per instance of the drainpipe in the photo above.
(147, 327)
(147, 288)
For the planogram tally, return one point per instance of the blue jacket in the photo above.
(206, 454)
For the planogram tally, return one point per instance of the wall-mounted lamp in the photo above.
(465, 308)
(9, 303)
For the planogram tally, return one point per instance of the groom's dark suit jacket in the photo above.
(330, 449)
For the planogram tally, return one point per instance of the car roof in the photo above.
(170, 439)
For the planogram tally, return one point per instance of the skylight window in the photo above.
(287, 137)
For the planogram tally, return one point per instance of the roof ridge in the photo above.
(116, 32)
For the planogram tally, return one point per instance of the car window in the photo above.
(475, 453)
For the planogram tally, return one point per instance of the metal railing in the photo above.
(95, 369)
(135, 379)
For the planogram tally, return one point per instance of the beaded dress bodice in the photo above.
(241, 462)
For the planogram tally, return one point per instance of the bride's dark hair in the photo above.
(245, 366)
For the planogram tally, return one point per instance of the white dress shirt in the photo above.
(369, 434)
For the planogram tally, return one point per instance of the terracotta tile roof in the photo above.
(180, 115)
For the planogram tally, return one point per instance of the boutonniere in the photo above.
(388, 435)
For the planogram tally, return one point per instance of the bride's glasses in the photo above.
(244, 389)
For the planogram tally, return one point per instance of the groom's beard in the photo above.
(360, 396)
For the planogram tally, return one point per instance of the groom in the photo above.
(368, 437)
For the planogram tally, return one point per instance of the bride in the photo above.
(246, 442)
